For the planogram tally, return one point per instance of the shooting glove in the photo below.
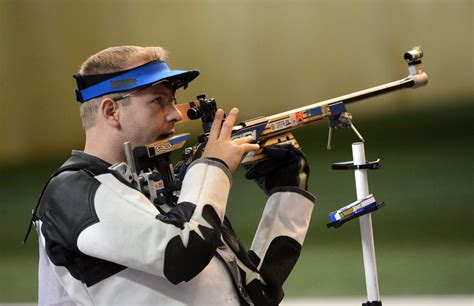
(285, 166)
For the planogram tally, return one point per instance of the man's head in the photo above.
(111, 60)
(146, 114)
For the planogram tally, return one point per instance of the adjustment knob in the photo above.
(194, 113)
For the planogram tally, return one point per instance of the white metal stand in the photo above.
(368, 248)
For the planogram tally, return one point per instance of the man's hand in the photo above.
(285, 166)
(220, 144)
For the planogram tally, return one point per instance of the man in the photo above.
(104, 242)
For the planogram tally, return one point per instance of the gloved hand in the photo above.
(285, 166)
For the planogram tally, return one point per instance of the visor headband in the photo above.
(143, 75)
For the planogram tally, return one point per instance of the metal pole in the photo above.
(368, 248)
(127, 147)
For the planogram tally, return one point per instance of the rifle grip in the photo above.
(282, 139)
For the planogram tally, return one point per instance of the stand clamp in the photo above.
(349, 165)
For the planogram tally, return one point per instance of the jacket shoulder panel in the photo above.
(67, 208)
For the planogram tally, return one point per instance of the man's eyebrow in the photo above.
(161, 93)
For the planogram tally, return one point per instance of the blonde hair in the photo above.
(114, 59)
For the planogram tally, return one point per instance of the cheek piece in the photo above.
(149, 74)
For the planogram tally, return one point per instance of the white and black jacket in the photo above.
(103, 242)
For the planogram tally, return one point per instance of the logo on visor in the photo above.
(123, 83)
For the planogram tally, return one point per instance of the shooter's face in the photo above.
(151, 115)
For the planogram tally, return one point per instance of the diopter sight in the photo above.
(206, 110)
(413, 55)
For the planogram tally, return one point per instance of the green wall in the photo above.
(263, 56)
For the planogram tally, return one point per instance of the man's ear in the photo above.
(109, 111)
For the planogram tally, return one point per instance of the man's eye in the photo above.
(164, 102)
(159, 100)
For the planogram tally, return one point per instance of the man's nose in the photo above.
(174, 114)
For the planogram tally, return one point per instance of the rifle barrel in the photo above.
(355, 96)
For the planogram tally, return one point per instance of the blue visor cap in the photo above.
(144, 75)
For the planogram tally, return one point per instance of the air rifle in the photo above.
(267, 131)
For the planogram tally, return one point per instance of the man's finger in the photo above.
(216, 125)
(226, 130)
(249, 147)
(246, 139)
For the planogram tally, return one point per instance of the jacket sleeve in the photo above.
(176, 245)
(281, 233)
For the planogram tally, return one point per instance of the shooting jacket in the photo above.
(103, 242)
